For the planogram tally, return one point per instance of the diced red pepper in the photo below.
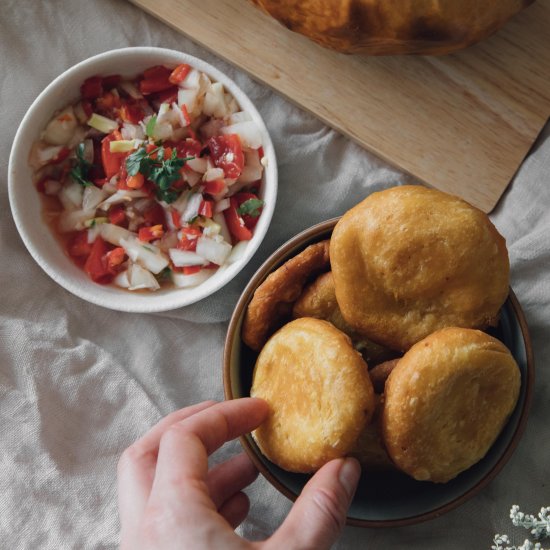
(117, 215)
(155, 79)
(249, 221)
(148, 234)
(114, 259)
(189, 238)
(135, 182)
(214, 187)
(235, 223)
(179, 73)
(92, 87)
(96, 264)
(111, 161)
(186, 114)
(191, 269)
(226, 152)
(176, 218)
(78, 246)
(205, 209)
(261, 152)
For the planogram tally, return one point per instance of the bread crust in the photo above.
(410, 260)
(389, 27)
(319, 393)
(446, 402)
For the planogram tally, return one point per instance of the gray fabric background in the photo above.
(78, 383)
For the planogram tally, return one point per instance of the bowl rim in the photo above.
(308, 235)
(121, 299)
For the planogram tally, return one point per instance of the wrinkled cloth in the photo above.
(79, 383)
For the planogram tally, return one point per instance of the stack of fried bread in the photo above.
(372, 344)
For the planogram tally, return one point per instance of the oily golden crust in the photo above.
(273, 299)
(410, 260)
(389, 27)
(446, 402)
(369, 448)
(319, 393)
(319, 300)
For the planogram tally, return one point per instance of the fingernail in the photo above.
(349, 474)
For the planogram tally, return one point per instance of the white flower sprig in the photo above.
(540, 529)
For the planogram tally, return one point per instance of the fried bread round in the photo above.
(319, 393)
(410, 260)
(273, 299)
(446, 401)
(319, 300)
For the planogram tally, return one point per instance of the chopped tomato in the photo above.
(189, 238)
(40, 184)
(131, 112)
(87, 108)
(111, 161)
(61, 156)
(92, 87)
(148, 234)
(96, 264)
(107, 102)
(167, 96)
(135, 182)
(214, 187)
(78, 246)
(155, 79)
(249, 221)
(206, 209)
(179, 73)
(235, 223)
(114, 259)
(110, 81)
(154, 215)
(191, 269)
(189, 148)
(116, 215)
(226, 152)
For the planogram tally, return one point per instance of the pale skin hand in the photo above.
(168, 498)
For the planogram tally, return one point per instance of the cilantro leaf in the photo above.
(138, 161)
(80, 170)
(252, 207)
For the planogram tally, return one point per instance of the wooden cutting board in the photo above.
(462, 123)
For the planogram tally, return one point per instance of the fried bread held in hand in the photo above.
(319, 393)
(446, 401)
(410, 260)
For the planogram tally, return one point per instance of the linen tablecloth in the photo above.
(79, 383)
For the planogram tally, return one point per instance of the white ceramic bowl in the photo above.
(26, 203)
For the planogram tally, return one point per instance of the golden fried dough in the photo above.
(273, 299)
(319, 300)
(379, 374)
(410, 260)
(446, 401)
(369, 448)
(319, 393)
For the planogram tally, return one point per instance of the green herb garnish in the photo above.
(161, 171)
(80, 171)
(150, 128)
(251, 207)
(164, 275)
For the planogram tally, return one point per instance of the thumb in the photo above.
(319, 513)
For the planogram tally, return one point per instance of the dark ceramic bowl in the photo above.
(386, 499)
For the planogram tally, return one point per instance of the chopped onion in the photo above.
(61, 127)
(80, 114)
(74, 220)
(179, 115)
(147, 255)
(71, 196)
(241, 116)
(222, 205)
(92, 197)
(142, 204)
(52, 187)
(238, 252)
(41, 154)
(224, 230)
(141, 278)
(132, 131)
(181, 202)
(162, 131)
(231, 105)
(188, 98)
(168, 240)
(93, 233)
(122, 279)
(185, 258)
(88, 154)
(252, 170)
(248, 132)
(191, 177)
(130, 89)
(102, 124)
(184, 281)
(198, 164)
(211, 228)
(122, 195)
(95, 221)
(78, 137)
(213, 174)
(192, 208)
(212, 128)
(114, 234)
(212, 250)
(192, 80)
(214, 101)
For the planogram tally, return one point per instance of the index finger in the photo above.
(184, 448)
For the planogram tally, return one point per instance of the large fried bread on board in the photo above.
(319, 393)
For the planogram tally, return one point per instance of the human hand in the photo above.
(168, 498)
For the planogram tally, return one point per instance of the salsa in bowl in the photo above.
(155, 174)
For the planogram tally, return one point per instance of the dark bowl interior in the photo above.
(385, 499)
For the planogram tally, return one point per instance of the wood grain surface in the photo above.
(461, 123)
